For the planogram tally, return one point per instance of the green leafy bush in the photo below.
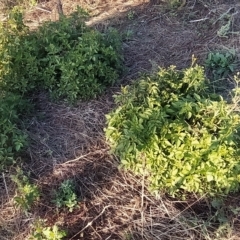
(18, 54)
(12, 139)
(168, 128)
(66, 57)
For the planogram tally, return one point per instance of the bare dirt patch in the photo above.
(67, 142)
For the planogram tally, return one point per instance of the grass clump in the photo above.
(169, 128)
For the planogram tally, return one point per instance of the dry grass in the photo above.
(67, 142)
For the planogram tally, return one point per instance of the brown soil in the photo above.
(68, 142)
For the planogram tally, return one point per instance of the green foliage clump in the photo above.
(66, 196)
(27, 193)
(12, 138)
(220, 64)
(168, 128)
(66, 57)
(41, 232)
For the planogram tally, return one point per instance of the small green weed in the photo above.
(127, 35)
(220, 64)
(41, 232)
(128, 236)
(66, 196)
(27, 193)
(173, 4)
(226, 21)
(131, 14)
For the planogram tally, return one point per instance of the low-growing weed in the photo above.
(127, 36)
(168, 127)
(131, 14)
(27, 193)
(173, 4)
(66, 196)
(42, 232)
(220, 64)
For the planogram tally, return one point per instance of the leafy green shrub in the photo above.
(27, 193)
(18, 54)
(66, 57)
(66, 196)
(169, 128)
(12, 139)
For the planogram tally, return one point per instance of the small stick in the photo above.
(199, 20)
(5, 184)
(90, 223)
(142, 193)
(43, 9)
(59, 7)
(84, 156)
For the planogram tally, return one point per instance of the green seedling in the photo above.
(66, 196)
(26, 193)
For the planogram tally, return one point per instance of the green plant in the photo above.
(66, 196)
(127, 36)
(27, 193)
(220, 64)
(131, 14)
(169, 128)
(226, 22)
(65, 57)
(41, 232)
(18, 51)
(12, 139)
(128, 236)
(174, 3)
